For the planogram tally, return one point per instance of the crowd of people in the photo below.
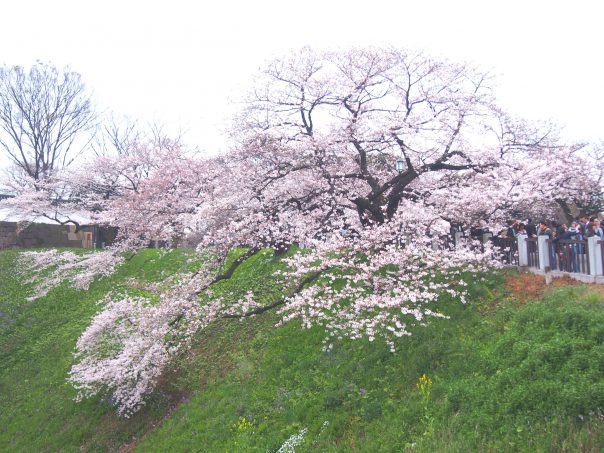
(579, 229)
(567, 256)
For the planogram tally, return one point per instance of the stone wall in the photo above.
(8, 235)
(13, 235)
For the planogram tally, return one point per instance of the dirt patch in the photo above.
(599, 289)
(527, 286)
(568, 281)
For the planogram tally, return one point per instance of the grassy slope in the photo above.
(505, 377)
(37, 412)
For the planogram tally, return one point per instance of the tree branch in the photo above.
(305, 281)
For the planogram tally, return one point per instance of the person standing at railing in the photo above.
(512, 229)
(559, 229)
(572, 234)
(520, 229)
(595, 229)
(598, 231)
(584, 223)
(544, 230)
(531, 229)
(476, 231)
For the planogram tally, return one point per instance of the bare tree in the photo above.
(45, 115)
(122, 135)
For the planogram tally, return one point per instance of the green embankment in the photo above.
(499, 376)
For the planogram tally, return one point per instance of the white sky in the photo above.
(181, 63)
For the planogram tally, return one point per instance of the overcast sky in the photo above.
(184, 63)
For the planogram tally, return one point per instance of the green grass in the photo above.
(506, 376)
(37, 411)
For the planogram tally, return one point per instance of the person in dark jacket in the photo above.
(512, 229)
(531, 229)
(544, 230)
(476, 231)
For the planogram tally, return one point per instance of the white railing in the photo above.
(566, 256)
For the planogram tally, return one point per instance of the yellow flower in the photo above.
(424, 384)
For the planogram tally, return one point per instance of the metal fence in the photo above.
(569, 256)
(506, 249)
(585, 257)
(532, 252)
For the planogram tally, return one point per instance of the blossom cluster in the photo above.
(129, 343)
(384, 293)
(48, 269)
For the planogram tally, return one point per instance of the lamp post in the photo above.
(401, 165)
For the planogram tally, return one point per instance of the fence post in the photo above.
(522, 250)
(457, 237)
(542, 247)
(595, 255)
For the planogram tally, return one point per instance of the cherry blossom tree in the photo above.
(51, 198)
(590, 201)
(313, 164)
(90, 190)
